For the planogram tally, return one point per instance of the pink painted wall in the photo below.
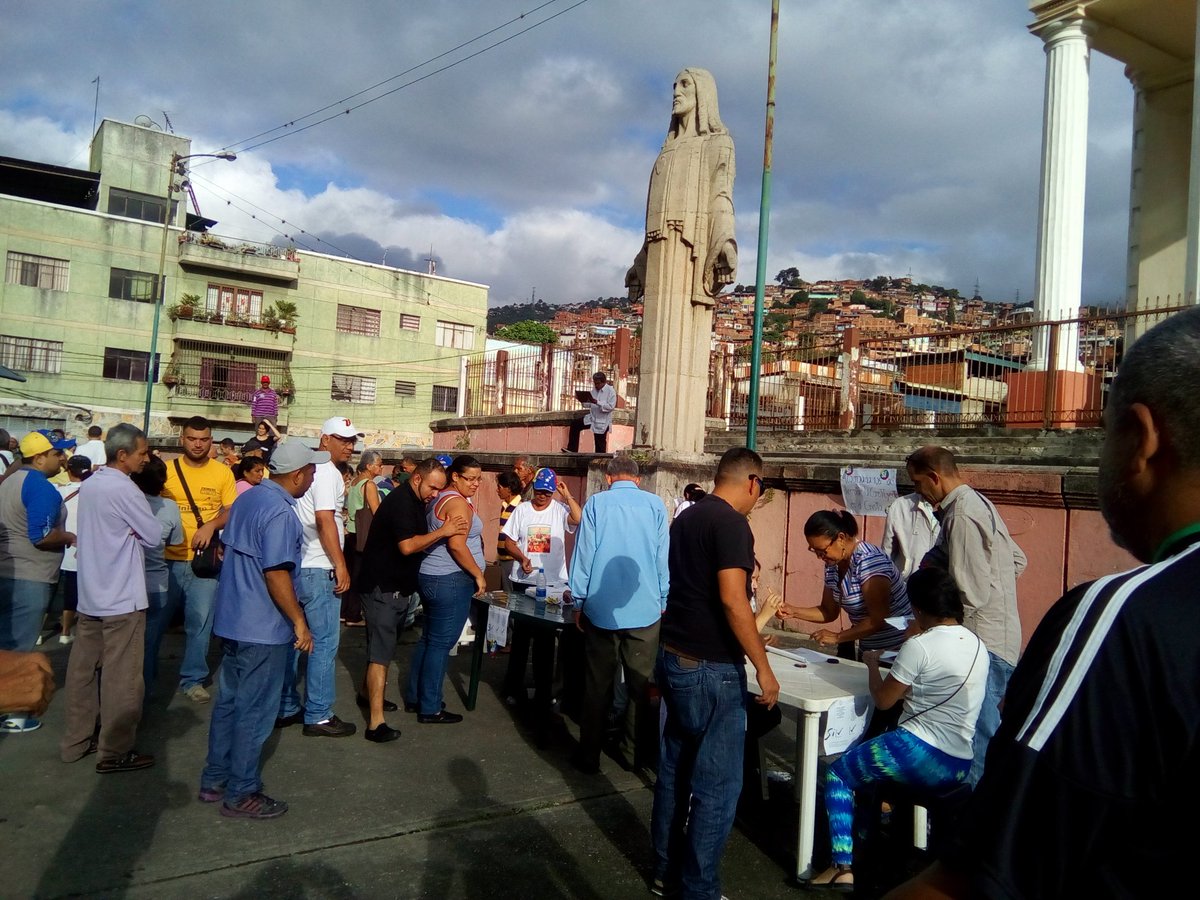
(1064, 547)
(532, 439)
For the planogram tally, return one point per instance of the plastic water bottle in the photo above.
(539, 588)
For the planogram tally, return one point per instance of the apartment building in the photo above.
(81, 248)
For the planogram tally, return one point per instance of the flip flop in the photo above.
(835, 878)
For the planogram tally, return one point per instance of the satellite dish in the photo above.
(146, 122)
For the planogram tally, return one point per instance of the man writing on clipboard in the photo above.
(600, 401)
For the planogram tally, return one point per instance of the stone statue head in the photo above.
(707, 116)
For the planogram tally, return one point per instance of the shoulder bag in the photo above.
(206, 563)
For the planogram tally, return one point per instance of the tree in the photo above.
(788, 277)
(880, 283)
(857, 296)
(797, 298)
(528, 332)
(816, 307)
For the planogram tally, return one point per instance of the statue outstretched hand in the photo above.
(635, 278)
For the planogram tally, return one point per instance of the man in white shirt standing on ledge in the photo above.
(598, 417)
(323, 575)
(116, 527)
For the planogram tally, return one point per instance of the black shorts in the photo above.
(385, 613)
(70, 588)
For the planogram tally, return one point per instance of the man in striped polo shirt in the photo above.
(1092, 775)
(264, 403)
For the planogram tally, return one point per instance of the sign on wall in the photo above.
(868, 492)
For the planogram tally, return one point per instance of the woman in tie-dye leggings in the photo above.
(939, 676)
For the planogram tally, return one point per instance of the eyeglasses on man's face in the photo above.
(758, 479)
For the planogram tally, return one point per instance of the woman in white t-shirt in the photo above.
(941, 675)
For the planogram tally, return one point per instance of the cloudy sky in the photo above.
(907, 131)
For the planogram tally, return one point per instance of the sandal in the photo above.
(835, 878)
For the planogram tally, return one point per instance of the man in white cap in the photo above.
(259, 620)
(323, 575)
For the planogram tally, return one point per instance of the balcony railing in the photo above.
(201, 249)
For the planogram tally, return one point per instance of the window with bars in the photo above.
(445, 398)
(454, 334)
(134, 205)
(357, 320)
(406, 389)
(126, 284)
(409, 322)
(230, 302)
(226, 373)
(37, 271)
(352, 388)
(128, 365)
(31, 355)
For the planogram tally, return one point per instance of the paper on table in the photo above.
(845, 723)
(803, 654)
(497, 626)
(900, 623)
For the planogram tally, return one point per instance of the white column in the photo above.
(1064, 174)
(1191, 278)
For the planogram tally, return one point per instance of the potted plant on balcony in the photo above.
(271, 320)
(187, 305)
(288, 314)
(172, 377)
(286, 388)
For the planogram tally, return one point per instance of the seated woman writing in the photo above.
(859, 578)
(940, 674)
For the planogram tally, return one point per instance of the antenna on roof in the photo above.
(170, 127)
(432, 262)
(96, 107)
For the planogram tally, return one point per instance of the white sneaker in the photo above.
(19, 724)
(66, 638)
(197, 694)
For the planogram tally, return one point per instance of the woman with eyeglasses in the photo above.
(859, 578)
(451, 573)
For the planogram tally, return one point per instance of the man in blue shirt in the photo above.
(258, 618)
(619, 580)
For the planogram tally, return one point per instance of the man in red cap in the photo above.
(264, 403)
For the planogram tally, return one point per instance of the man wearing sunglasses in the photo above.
(707, 632)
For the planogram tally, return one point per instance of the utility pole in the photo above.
(764, 213)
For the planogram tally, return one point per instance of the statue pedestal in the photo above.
(1053, 400)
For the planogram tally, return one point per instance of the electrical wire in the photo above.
(246, 145)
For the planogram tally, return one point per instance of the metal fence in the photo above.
(544, 378)
(1023, 374)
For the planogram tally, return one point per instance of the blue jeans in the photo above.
(699, 771)
(248, 685)
(197, 596)
(989, 715)
(158, 617)
(321, 609)
(447, 600)
(23, 606)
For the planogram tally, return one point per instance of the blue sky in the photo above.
(907, 132)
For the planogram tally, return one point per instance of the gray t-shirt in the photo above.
(167, 513)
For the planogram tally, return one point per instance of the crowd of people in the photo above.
(1092, 728)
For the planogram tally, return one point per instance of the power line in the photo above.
(247, 145)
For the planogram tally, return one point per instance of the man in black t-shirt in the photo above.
(387, 580)
(707, 632)
(1090, 783)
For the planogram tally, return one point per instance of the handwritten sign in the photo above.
(845, 723)
(497, 626)
(868, 492)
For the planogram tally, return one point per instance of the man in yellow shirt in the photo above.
(211, 485)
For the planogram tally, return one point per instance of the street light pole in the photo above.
(161, 293)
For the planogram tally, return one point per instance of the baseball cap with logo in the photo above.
(64, 443)
(340, 427)
(545, 480)
(266, 379)
(445, 459)
(292, 455)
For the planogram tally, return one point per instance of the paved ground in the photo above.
(473, 810)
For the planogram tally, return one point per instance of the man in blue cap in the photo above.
(535, 536)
